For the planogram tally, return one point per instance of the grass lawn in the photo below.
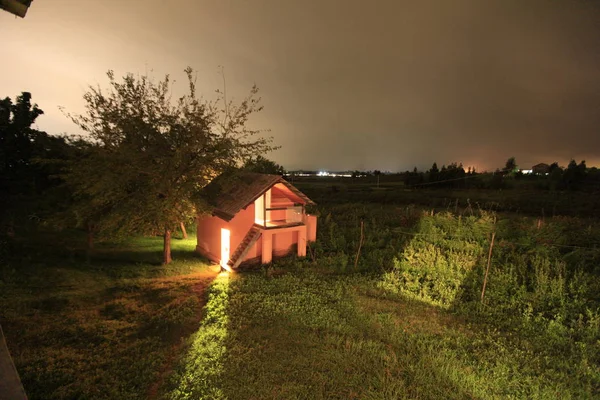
(105, 329)
(122, 326)
(306, 335)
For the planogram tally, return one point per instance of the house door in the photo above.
(225, 238)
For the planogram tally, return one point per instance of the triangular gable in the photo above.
(232, 192)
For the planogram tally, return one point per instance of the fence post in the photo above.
(362, 237)
(487, 270)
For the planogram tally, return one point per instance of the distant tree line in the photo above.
(576, 176)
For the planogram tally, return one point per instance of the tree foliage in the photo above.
(23, 178)
(263, 165)
(148, 156)
(511, 166)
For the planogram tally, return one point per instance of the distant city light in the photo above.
(344, 174)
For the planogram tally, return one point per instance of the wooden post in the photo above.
(487, 270)
(183, 231)
(362, 236)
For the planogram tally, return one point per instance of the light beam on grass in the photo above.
(201, 368)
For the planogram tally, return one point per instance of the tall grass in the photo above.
(541, 283)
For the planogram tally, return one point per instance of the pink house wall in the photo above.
(279, 241)
(311, 228)
(240, 225)
(255, 251)
(208, 233)
(283, 241)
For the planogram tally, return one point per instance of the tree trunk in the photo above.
(167, 247)
(185, 236)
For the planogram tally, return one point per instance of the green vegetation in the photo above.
(146, 157)
(202, 368)
(107, 329)
(403, 320)
(308, 335)
(408, 321)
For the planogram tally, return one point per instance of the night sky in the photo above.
(346, 84)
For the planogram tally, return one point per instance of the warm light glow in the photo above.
(225, 238)
(226, 269)
(259, 211)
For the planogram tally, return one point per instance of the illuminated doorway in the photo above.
(225, 238)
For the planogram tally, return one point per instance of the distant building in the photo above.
(540, 169)
(16, 7)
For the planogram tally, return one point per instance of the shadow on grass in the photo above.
(302, 335)
(534, 336)
(41, 250)
(200, 369)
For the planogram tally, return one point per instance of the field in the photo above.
(404, 319)
(522, 199)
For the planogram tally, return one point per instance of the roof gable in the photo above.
(229, 193)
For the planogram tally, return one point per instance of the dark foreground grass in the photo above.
(305, 335)
(113, 328)
(105, 328)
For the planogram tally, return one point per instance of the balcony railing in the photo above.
(282, 216)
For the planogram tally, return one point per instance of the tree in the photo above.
(511, 166)
(263, 165)
(377, 173)
(574, 175)
(434, 173)
(148, 157)
(16, 141)
(22, 176)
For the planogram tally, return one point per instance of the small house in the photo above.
(540, 169)
(254, 218)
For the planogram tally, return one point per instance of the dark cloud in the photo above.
(346, 84)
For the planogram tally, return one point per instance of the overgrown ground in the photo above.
(105, 329)
(405, 320)
(306, 335)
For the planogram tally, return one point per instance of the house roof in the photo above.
(231, 192)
